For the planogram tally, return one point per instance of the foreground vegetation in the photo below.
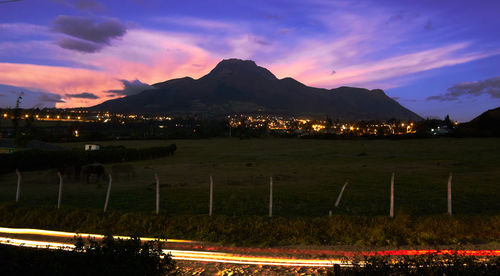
(107, 257)
(263, 231)
(307, 176)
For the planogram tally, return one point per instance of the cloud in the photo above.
(30, 97)
(308, 65)
(132, 88)
(57, 80)
(86, 35)
(196, 22)
(83, 95)
(489, 87)
(79, 45)
(50, 98)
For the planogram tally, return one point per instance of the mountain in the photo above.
(485, 124)
(240, 86)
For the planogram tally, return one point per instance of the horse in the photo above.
(94, 169)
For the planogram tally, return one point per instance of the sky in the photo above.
(433, 57)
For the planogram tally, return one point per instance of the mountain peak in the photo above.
(232, 67)
(232, 61)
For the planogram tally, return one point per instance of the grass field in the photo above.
(307, 174)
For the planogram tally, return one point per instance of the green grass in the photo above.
(307, 174)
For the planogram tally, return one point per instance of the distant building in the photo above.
(440, 130)
(92, 147)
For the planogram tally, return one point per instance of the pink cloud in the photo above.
(149, 56)
(314, 72)
(58, 80)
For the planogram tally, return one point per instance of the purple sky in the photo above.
(434, 57)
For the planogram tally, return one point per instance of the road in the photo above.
(187, 250)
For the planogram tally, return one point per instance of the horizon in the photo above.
(434, 58)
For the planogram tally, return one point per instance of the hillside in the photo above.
(238, 86)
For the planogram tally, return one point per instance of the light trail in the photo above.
(232, 255)
(37, 244)
(186, 255)
(51, 233)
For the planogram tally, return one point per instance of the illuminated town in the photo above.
(271, 123)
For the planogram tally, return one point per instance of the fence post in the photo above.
(271, 196)
(157, 193)
(108, 193)
(391, 212)
(211, 196)
(60, 190)
(449, 193)
(18, 191)
(341, 193)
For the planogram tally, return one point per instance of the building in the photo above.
(92, 147)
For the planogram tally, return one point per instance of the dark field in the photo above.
(307, 174)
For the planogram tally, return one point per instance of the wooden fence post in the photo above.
(391, 212)
(157, 193)
(211, 196)
(449, 193)
(341, 193)
(271, 196)
(60, 190)
(108, 193)
(18, 191)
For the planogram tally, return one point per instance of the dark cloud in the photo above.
(333, 72)
(90, 5)
(132, 88)
(79, 45)
(86, 35)
(30, 97)
(83, 95)
(262, 41)
(8, 1)
(50, 98)
(489, 87)
(402, 16)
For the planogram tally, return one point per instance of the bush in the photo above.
(29, 160)
(108, 257)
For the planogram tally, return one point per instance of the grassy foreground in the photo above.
(307, 175)
(263, 231)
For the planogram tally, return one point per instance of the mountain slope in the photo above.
(238, 86)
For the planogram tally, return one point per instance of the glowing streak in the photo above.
(190, 255)
(224, 257)
(42, 232)
(228, 257)
(37, 244)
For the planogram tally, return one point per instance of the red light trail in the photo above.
(195, 251)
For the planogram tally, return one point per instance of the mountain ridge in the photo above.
(241, 86)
